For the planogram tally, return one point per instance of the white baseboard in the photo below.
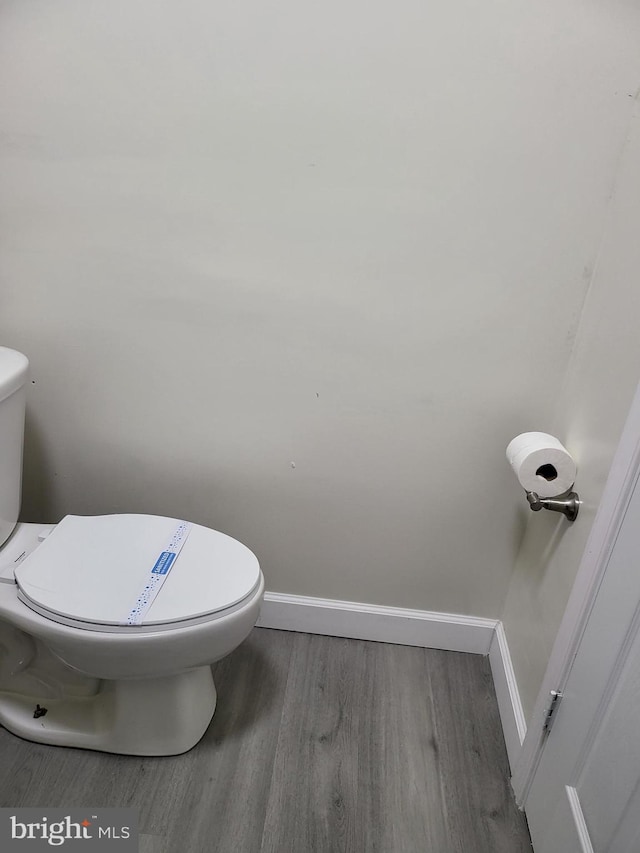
(514, 725)
(373, 622)
(423, 628)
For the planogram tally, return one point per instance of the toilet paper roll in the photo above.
(541, 464)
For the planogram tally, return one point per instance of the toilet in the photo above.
(109, 624)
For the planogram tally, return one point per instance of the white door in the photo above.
(585, 795)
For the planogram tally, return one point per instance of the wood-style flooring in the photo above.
(318, 745)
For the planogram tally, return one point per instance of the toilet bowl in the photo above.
(109, 624)
(70, 648)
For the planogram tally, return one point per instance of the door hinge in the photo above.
(551, 710)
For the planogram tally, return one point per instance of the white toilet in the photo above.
(109, 624)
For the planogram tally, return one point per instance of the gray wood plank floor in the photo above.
(318, 744)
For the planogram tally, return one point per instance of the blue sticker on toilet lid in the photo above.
(158, 574)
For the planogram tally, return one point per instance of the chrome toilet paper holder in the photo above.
(567, 503)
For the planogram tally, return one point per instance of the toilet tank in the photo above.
(13, 375)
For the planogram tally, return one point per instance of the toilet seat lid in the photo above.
(92, 569)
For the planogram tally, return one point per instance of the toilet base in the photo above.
(152, 716)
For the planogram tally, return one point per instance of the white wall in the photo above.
(355, 237)
(602, 378)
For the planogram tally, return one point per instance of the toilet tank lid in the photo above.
(13, 371)
(93, 569)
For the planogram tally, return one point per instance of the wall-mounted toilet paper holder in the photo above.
(567, 503)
